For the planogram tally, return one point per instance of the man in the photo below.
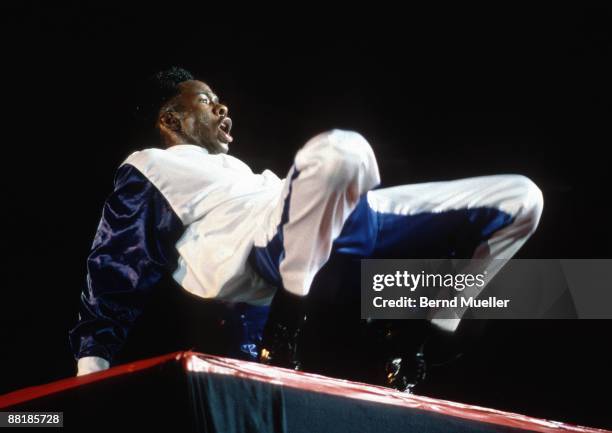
(227, 233)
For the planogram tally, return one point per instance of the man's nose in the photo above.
(220, 110)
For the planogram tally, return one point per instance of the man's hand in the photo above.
(91, 364)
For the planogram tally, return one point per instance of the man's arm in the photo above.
(133, 249)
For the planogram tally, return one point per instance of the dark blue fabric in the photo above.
(252, 320)
(267, 259)
(133, 249)
(359, 234)
(436, 235)
(132, 257)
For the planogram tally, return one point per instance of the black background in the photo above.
(439, 93)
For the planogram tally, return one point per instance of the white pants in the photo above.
(328, 207)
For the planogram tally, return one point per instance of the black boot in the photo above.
(405, 373)
(401, 346)
(283, 329)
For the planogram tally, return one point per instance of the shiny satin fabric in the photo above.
(132, 257)
(132, 250)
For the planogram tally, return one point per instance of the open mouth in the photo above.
(224, 130)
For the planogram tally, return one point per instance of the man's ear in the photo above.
(169, 121)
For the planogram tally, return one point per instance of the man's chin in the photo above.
(217, 147)
(223, 147)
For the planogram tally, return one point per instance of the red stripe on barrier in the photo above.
(34, 392)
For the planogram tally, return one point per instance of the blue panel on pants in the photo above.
(266, 260)
(455, 233)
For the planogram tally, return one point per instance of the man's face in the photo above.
(203, 120)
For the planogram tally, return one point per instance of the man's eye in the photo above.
(205, 100)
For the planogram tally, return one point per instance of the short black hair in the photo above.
(158, 89)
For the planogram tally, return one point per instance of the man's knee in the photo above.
(531, 203)
(340, 157)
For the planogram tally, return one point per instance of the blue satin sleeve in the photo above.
(133, 249)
